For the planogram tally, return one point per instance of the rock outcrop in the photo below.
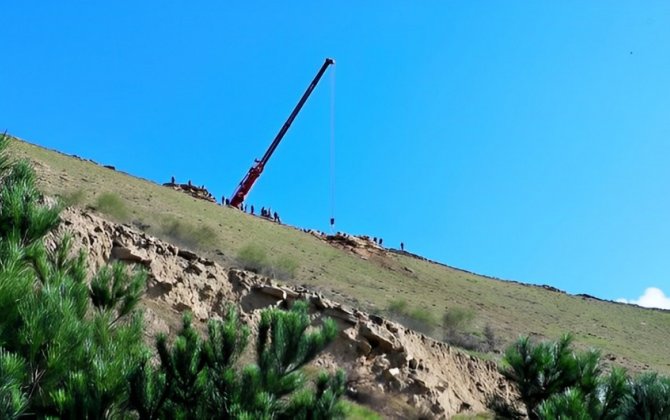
(377, 354)
(363, 246)
(200, 193)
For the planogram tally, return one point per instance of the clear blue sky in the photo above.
(523, 140)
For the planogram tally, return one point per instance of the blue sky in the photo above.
(522, 140)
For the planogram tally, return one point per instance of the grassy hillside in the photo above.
(634, 337)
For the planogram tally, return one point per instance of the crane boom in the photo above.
(256, 170)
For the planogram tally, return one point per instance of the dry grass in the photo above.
(638, 337)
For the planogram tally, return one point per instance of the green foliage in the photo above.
(423, 316)
(457, 329)
(541, 370)
(457, 319)
(569, 404)
(355, 411)
(112, 205)
(254, 258)
(419, 319)
(285, 267)
(555, 382)
(397, 307)
(115, 291)
(650, 397)
(73, 198)
(57, 356)
(13, 400)
(200, 378)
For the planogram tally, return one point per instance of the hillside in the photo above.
(391, 369)
(630, 336)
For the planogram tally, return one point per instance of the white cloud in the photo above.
(653, 297)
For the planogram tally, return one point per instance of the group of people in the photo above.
(267, 213)
(274, 216)
(380, 242)
(196, 191)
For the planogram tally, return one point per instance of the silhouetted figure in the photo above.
(189, 183)
(172, 180)
(375, 239)
(276, 217)
(252, 209)
(380, 241)
(227, 202)
(402, 246)
(223, 199)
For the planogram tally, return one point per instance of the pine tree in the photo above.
(58, 357)
(556, 382)
(274, 387)
(650, 400)
(540, 370)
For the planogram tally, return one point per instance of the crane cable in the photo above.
(332, 149)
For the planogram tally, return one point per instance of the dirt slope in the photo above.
(355, 271)
(382, 357)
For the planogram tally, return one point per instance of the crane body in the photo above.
(256, 170)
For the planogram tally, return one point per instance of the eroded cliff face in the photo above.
(384, 360)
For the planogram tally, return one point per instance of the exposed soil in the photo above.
(391, 368)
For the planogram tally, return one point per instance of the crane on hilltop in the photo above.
(250, 178)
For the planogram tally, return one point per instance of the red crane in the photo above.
(256, 170)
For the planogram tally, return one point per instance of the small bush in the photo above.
(456, 323)
(418, 319)
(397, 307)
(422, 315)
(112, 205)
(457, 319)
(466, 341)
(490, 338)
(285, 268)
(73, 198)
(186, 234)
(254, 258)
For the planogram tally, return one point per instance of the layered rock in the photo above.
(377, 353)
